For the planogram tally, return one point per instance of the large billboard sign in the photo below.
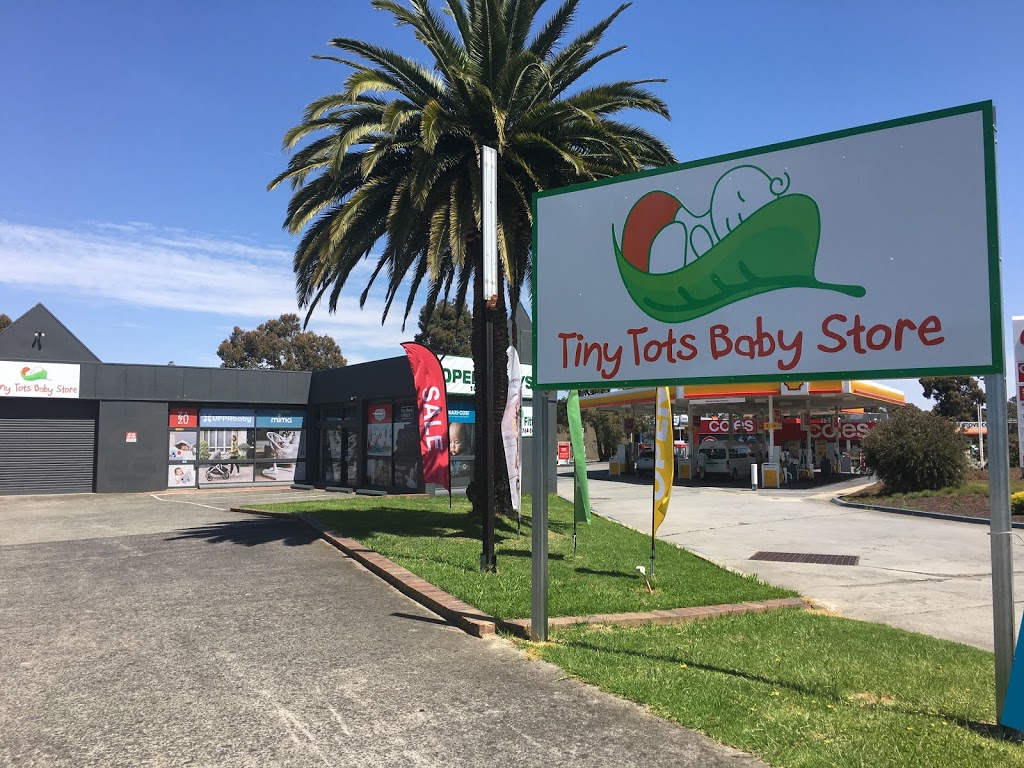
(871, 251)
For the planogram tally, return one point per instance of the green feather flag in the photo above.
(581, 498)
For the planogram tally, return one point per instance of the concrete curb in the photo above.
(473, 622)
(917, 513)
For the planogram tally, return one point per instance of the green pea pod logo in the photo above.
(753, 239)
(34, 374)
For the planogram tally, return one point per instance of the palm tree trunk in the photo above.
(489, 373)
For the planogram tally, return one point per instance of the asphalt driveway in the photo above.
(165, 630)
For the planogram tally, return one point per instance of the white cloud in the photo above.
(139, 265)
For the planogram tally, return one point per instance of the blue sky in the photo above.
(137, 139)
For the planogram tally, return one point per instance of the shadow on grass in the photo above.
(251, 533)
(613, 574)
(527, 553)
(988, 730)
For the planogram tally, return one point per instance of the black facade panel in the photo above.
(169, 383)
(249, 386)
(87, 375)
(111, 381)
(224, 386)
(122, 466)
(379, 379)
(297, 387)
(196, 385)
(275, 389)
(140, 382)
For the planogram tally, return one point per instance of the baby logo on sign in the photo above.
(752, 239)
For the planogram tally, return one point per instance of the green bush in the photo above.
(1017, 503)
(916, 451)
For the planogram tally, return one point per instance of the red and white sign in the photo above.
(563, 450)
(848, 430)
(1018, 357)
(744, 426)
(183, 417)
(131, 437)
(432, 407)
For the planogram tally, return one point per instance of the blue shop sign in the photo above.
(280, 419)
(226, 418)
(462, 415)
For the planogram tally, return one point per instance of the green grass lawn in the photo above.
(794, 688)
(802, 689)
(440, 545)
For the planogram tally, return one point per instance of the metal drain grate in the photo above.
(799, 557)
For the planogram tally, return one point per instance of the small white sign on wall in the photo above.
(852, 253)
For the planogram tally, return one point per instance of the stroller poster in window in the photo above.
(225, 456)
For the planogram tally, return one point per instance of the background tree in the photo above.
(446, 329)
(4, 321)
(395, 158)
(956, 397)
(281, 345)
(607, 426)
(915, 451)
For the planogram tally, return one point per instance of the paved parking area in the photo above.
(165, 630)
(924, 575)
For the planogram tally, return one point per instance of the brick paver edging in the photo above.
(472, 621)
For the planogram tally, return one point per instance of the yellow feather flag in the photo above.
(664, 456)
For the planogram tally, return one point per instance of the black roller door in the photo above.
(47, 446)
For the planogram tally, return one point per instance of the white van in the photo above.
(731, 459)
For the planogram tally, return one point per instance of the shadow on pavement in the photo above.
(251, 533)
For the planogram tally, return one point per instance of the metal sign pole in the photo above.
(1003, 623)
(539, 557)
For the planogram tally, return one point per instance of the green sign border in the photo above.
(998, 364)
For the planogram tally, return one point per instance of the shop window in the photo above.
(461, 442)
(379, 443)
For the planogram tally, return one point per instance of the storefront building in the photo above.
(70, 423)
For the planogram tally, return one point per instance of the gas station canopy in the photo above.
(791, 397)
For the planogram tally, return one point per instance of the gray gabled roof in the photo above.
(39, 336)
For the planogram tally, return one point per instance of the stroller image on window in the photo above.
(217, 471)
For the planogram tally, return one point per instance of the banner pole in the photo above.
(574, 520)
(654, 488)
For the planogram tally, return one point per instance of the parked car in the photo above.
(732, 459)
(645, 462)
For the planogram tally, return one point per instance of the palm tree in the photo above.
(395, 159)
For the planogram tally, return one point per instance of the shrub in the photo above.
(916, 451)
(1017, 503)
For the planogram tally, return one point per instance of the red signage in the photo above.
(432, 404)
(183, 417)
(721, 426)
(563, 450)
(379, 413)
(850, 430)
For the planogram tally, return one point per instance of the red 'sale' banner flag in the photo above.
(432, 409)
